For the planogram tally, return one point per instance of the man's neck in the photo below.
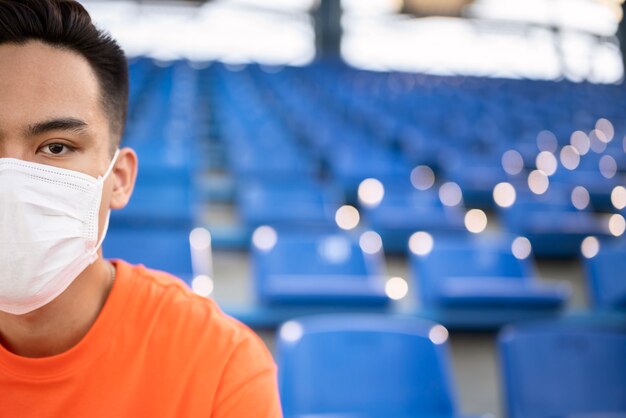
(62, 323)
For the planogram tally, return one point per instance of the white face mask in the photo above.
(48, 231)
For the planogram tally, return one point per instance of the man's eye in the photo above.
(55, 149)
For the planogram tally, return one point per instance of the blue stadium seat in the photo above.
(599, 187)
(476, 175)
(158, 205)
(564, 369)
(166, 249)
(551, 223)
(479, 282)
(287, 203)
(364, 366)
(605, 275)
(350, 165)
(419, 150)
(322, 268)
(169, 164)
(296, 127)
(404, 211)
(591, 161)
(267, 162)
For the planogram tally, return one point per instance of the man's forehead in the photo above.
(40, 82)
(38, 58)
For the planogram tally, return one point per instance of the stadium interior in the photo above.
(419, 205)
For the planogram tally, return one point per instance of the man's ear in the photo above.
(124, 174)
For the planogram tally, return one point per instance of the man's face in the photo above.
(51, 111)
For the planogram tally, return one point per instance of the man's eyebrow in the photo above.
(61, 124)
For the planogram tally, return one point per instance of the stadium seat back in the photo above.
(556, 370)
(162, 249)
(329, 254)
(364, 365)
(605, 274)
(471, 262)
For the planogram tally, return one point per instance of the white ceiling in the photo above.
(494, 41)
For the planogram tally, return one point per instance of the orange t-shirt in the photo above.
(155, 350)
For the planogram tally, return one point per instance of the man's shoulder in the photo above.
(161, 288)
(184, 350)
(167, 303)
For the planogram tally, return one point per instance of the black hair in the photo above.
(67, 25)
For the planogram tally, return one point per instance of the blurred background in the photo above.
(436, 187)
(539, 39)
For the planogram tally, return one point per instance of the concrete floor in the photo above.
(474, 355)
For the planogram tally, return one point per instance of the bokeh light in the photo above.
(608, 166)
(200, 239)
(371, 192)
(590, 247)
(475, 221)
(606, 127)
(396, 288)
(546, 162)
(450, 194)
(422, 177)
(597, 141)
(617, 225)
(335, 249)
(580, 141)
(291, 331)
(521, 248)
(504, 195)
(546, 141)
(538, 182)
(264, 238)
(202, 285)
(618, 197)
(512, 162)
(438, 334)
(347, 217)
(370, 242)
(580, 197)
(421, 243)
(570, 157)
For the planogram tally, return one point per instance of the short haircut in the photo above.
(67, 25)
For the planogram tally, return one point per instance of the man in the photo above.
(81, 336)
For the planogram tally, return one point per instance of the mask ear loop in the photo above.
(94, 256)
(113, 161)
